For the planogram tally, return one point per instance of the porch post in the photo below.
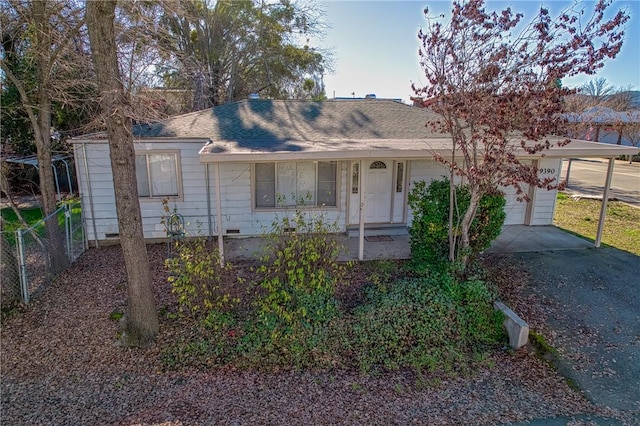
(605, 200)
(216, 170)
(363, 201)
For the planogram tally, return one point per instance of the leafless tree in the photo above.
(498, 93)
(140, 323)
(46, 35)
(599, 93)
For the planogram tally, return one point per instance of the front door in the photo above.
(379, 186)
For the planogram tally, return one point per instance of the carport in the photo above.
(585, 149)
(32, 160)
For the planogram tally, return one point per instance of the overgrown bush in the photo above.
(300, 273)
(295, 300)
(430, 225)
(198, 280)
(428, 323)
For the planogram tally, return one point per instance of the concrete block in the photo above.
(517, 328)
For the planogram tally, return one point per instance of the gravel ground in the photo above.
(60, 366)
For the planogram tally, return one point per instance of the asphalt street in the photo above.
(588, 176)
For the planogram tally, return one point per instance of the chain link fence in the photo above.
(32, 257)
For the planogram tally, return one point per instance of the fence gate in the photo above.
(32, 257)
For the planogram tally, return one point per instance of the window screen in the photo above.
(289, 184)
(400, 177)
(265, 185)
(327, 183)
(157, 175)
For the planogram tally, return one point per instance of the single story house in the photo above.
(231, 169)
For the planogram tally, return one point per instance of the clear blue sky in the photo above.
(376, 44)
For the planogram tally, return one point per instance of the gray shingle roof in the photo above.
(259, 122)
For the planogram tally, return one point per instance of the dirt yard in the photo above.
(60, 366)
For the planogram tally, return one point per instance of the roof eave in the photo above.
(601, 150)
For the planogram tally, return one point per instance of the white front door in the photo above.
(378, 192)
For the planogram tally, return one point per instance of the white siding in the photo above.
(192, 205)
(239, 215)
(544, 200)
(516, 210)
(236, 195)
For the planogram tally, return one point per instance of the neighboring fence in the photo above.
(32, 257)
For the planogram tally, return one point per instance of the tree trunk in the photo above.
(465, 225)
(453, 227)
(140, 323)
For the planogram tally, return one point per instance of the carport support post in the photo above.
(216, 171)
(605, 200)
(566, 178)
(363, 188)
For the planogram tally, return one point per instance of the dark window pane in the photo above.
(265, 185)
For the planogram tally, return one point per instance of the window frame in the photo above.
(278, 207)
(178, 168)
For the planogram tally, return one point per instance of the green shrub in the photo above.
(198, 280)
(429, 228)
(295, 301)
(300, 273)
(424, 324)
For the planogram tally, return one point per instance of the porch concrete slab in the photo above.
(514, 239)
(392, 247)
(522, 238)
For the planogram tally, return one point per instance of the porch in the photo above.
(514, 238)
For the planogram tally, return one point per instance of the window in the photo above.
(265, 184)
(355, 178)
(399, 177)
(157, 175)
(290, 184)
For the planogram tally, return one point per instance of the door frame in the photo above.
(357, 202)
(387, 196)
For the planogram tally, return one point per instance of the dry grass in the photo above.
(622, 224)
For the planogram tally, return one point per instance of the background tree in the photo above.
(629, 130)
(144, 47)
(140, 323)
(497, 93)
(41, 40)
(226, 51)
(599, 93)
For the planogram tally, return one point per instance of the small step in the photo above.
(399, 229)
